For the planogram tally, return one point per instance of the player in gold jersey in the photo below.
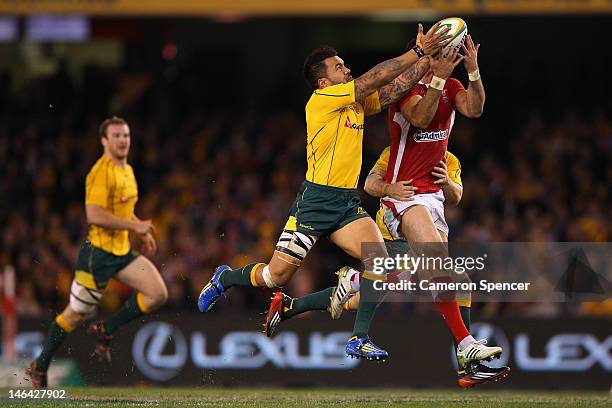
(111, 194)
(327, 203)
(448, 175)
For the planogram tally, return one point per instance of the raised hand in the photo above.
(443, 65)
(148, 244)
(470, 52)
(433, 41)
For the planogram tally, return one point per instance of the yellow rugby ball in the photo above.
(458, 31)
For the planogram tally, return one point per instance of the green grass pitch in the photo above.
(263, 397)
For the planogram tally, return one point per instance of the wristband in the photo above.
(419, 51)
(437, 83)
(384, 189)
(474, 75)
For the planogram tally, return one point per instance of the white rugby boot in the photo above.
(477, 351)
(342, 292)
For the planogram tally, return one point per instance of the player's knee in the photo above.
(162, 296)
(158, 297)
(83, 300)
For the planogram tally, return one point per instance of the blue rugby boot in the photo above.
(212, 291)
(362, 347)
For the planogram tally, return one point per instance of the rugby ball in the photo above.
(458, 31)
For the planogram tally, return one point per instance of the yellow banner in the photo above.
(417, 8)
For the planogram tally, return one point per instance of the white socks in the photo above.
(268, 278)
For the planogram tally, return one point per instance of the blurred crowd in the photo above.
(218, 183)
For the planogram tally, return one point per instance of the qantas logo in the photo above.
(421, 136)
(348, 124)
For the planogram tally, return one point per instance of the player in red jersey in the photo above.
(420, 125)
(432, 177)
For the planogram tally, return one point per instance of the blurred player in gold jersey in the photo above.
(111, 194)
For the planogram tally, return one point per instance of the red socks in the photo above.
(452, 316)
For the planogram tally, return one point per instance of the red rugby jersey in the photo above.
(415, 152)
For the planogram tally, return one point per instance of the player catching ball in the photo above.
(327, 204)
(420, 126)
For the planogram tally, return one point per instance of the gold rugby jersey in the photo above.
(114, 188)
(334, 124)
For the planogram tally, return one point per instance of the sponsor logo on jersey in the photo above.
(422, 136)
(445, 95)
(124, 199)
(355, 126)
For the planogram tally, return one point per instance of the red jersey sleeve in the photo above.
(418, 89)
(454, 87)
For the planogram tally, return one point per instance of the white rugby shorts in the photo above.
(394, 209)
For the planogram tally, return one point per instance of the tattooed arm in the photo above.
(382, 74)
(393, 92)
(388, 70)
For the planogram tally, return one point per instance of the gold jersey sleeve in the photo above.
(383, 161)
(113, 188)
(372, 104)
(453, 167)
(334, 143)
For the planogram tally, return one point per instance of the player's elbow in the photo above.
(476, 113)
(160, 297)
(454, 200)
(369, 187)
(475, 110)
(92, 214)
(374, 183)
(452, 195)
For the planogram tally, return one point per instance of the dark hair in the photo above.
(115, 120)
(314, 67)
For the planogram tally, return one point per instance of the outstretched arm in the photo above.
(393, 92)
(419, 111)
(388, 70)
(471, 102)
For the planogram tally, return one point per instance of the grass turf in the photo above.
(262, 397)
